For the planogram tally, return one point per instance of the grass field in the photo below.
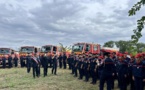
(18, 79)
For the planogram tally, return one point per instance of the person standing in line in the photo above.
(60, 61)
(76, 66)
(44, 61)
(69, 61)
(94, 71)
(64, 61)
(35, 66)
(39, 64)
(4, 61)
(72, 63)
(143, 61)
(54, 68)
(28, 62)
(16, 60)
(10, 61)
(107, 72)
(122, 72)
(130, 65)
(138, 73)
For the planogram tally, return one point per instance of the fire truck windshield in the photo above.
(27, 49)
(46, 49)
(78, 47)
(4, 51)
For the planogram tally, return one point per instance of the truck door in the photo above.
(88, 47)
(54, 49)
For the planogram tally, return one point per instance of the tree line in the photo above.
(126, 46)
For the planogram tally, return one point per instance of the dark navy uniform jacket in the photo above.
(64, 58)
(79, 64)
(127, 59)
(93, 65)
(54, 61)
(130, 65)
(9, 58)
(35, 62)
(143, 68)
(122, 68)
(29, 60)
(137, 70)
(60, 58)
(44, 61)
(4, 60)
(108, 67)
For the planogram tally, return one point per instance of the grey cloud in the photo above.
(62, 21)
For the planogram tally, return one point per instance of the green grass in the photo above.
(18, 79)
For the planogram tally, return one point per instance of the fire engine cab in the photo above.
(5, 52)
(50, 49)
(24, 50)
(87, 48)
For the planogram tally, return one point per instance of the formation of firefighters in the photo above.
(106, 67)
(110, 67)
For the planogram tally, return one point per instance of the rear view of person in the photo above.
(54, 68)
(35, 66)
(28, 62)
(107, 72)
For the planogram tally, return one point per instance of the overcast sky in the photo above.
(41, 22)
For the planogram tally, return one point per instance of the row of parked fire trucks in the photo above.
(78, 48)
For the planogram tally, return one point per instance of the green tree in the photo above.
(109, 44)
(140, 23)
(140, 47)
(124, 46)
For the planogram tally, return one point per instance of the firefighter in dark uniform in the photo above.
(114, 58)
(28, 62)
(72, 63)
(10, 61)
(35, 66)
(39, 64)
(122, 72)
(64, 60)
(130, 65)
(50, 61)
(81, 71)
(138, 73)
(143, 61)
(80, 67)
(54, 68)
(87, 69)
(69, 61)
(44, 61)
(107, 72)
(49, 57)
(99, 66)
(16, 60)
(22, 61)
(94, 71)
(76, 66)
(4, 61)
(60, 61)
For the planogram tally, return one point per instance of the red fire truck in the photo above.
(110, 50)
(5, 52)
(50, 49)
(24, 50)
(87, 48)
